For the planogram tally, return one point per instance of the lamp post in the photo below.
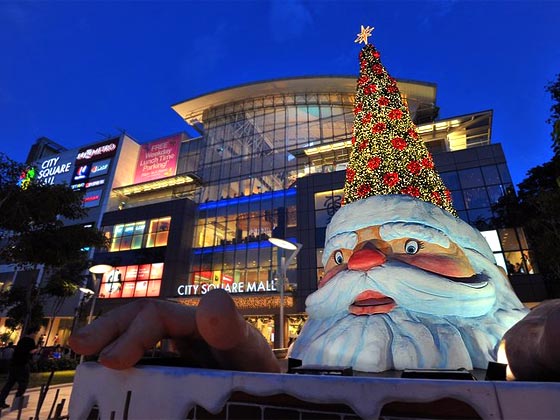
(94, 270)
(86, 295)
(284, 264)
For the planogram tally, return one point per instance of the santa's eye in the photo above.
(412, 246)
(338, 257)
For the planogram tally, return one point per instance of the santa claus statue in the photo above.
(407, 284)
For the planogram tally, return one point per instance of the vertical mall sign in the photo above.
(158, 159)
(92, 166)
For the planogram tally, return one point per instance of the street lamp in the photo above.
(94, 270)
(284, 264)
(85, 296)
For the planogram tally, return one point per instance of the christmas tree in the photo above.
(388, 156)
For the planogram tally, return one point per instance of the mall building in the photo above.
(186, 214)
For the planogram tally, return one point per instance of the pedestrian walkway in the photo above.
(56, 395)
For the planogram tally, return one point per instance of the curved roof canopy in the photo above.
(191, 110)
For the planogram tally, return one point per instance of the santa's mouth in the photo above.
(371, 302)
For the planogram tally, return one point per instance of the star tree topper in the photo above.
(364, 34)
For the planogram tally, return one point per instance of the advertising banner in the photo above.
(158, 159)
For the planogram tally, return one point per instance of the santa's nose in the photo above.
(366, 258)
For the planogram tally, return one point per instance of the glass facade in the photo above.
(252, 145)
(252, 159)
(476, 189)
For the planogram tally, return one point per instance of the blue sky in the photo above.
(76, 71)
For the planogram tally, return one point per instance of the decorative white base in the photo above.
(171, 392)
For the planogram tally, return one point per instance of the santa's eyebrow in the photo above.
(399, 230)
(346, 240)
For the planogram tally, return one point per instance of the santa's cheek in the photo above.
(440, 264)
(329, 275)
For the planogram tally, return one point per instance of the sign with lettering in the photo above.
(97, 151)
(326, 205)
(92, 198)
(249, 287)
(99, 168)
(55, 169)
(158, 159)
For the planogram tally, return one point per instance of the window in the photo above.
(158, 232)
(471, 178)
(511, 250)
(491, 175)
(126, 236)
(476, 198)
(142, 280)
(451, 180)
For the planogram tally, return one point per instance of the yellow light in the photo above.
(247, 302)
(502, 358)
(425, 128)
(282, 243)
(328, 147)
(155, 185)
(100, 268)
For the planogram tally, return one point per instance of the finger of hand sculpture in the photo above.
(123, 335)
(234, 343)
(212, 335)
(532, 344)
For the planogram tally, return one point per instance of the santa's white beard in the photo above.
(437, 323)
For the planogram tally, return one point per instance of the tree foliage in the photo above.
(554, 89)
(36, 231)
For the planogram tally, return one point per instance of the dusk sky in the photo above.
(77, 71)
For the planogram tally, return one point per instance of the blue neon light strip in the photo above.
(247, 199)
(237, 247)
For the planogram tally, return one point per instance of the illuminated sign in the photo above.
(128, 281)
(95, 183)
(249, 287)
(26, 177)
(97, 151)
(50, 169)
(81, 173)
(158, 159)
(92, 198)
(91, 184)
(99, 168)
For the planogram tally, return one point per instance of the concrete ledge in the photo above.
(173, 393)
